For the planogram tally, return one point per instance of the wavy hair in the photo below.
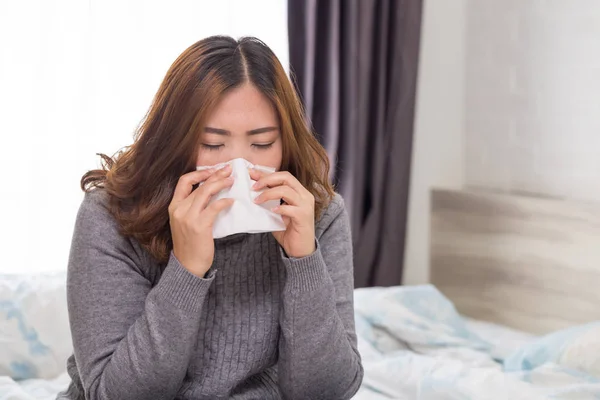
(140, 179)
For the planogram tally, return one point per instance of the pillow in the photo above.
(576, 348)
(35, 340)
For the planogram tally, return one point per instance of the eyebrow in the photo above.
(218, 131)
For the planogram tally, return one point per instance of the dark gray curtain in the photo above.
(355, 66)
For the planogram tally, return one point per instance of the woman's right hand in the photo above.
(191, 218)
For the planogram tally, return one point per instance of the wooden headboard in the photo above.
(528, 263)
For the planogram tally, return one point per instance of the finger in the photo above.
(286, 193)
(217, 175)
(256, 174)
(210, 213)
(220, 173)
(187, 181)
(278, 179)
(292, 212)
(203, 194)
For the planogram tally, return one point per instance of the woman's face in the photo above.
(244, 124)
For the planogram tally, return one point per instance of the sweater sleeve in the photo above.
(318, 356)
(131, 341)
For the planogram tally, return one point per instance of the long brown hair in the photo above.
(140, 180)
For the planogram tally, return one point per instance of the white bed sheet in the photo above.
(414, 345)
(33, 389)
(504, 340)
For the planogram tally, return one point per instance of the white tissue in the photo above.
(244, 216)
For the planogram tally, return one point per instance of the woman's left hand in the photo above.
(297, 211)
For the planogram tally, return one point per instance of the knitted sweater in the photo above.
(259, 325)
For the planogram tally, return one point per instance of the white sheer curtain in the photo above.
(76, 78)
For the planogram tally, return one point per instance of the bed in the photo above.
(512, 311)
(34, 336)
(30, 389)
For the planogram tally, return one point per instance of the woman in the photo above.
(161, 310)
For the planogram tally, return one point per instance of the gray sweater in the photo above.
(258, 326)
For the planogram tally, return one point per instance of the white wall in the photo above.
(508, 100)
(438, 147)
(76, 77)
(533, 97)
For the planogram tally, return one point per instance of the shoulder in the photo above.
(97, 231)
(96, 225)
(95, 200)
(94, 210)
(335, 211)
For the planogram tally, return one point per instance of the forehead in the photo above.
(243, 105)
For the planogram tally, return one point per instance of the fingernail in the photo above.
(257, 199)
(275, 209)
(256, 186)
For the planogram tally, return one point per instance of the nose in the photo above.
(241, 152)
(235, 154)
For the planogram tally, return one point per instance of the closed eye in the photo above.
(264, 146)
(212, 147)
